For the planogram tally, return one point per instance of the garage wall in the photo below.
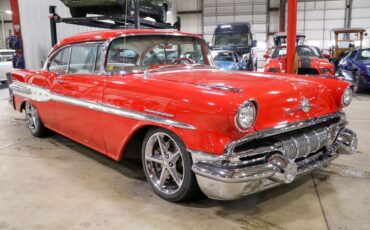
(227, 11)
(316, 19)
(361, 17)
(190, 12)
(36, 29)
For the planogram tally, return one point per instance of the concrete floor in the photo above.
(54, 183)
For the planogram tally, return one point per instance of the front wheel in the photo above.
(167, 166)
(34, 122)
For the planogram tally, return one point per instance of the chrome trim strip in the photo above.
(158, 113)
(40, 94)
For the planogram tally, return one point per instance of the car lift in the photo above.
(108, 22)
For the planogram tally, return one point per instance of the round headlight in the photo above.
(246, 116)
(347, 96)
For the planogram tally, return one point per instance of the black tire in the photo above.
(77, 12)
(34, 122)
(189, 187)
(162, 18)
(359, 83)
(130, 8)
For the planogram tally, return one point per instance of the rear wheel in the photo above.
(34, 122)
(77, 12)
(167, 166)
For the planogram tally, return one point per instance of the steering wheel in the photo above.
(179, 61)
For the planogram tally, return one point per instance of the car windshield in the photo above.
(303, 51)
(237, 39)
(364, 55)
(139, 53)
(223, 56)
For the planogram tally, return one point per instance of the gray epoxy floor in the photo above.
(54, 183)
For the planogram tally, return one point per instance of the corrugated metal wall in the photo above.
(225, 11)
(316, 19)
(361, 17)
(36, 29)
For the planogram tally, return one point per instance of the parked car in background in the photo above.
(230, 133)
(6, 63)
(310, 61)
(228, 60)
(156, 9)
(236, 37)
(358, 63)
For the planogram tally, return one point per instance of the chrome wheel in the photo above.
(32, 117)
(164, 163)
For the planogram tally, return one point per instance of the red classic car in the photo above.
(310, 61)
(134, 93)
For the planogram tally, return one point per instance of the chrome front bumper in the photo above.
(221, 178)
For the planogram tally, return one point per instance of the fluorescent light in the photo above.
(8, 12)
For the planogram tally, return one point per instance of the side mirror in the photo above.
(266, 56)
(254, 43)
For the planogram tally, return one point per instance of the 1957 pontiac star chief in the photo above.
(139, 92)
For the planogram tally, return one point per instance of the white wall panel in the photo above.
(36, 29)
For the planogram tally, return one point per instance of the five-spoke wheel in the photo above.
(167, 165)
(33, 120)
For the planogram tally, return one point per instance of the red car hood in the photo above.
(279, 98)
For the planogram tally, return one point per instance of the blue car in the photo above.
(358, 63)
(228, 60)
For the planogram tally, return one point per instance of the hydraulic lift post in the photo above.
(53, 26)
(291, 35)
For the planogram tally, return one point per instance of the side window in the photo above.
(83, 59)
(59, 63)
(120, 58)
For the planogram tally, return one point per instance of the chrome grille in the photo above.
(301, 143)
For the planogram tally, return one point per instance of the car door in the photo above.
(78, 96)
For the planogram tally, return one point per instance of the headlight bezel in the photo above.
(251, 103)
(347, 102)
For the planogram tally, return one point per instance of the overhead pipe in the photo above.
(291, 36)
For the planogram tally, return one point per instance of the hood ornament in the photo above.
(305, 106)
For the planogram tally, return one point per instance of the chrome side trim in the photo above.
(283, 128)
(158, 113)
(40, 94)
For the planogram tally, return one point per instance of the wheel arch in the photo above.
(132, 148)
